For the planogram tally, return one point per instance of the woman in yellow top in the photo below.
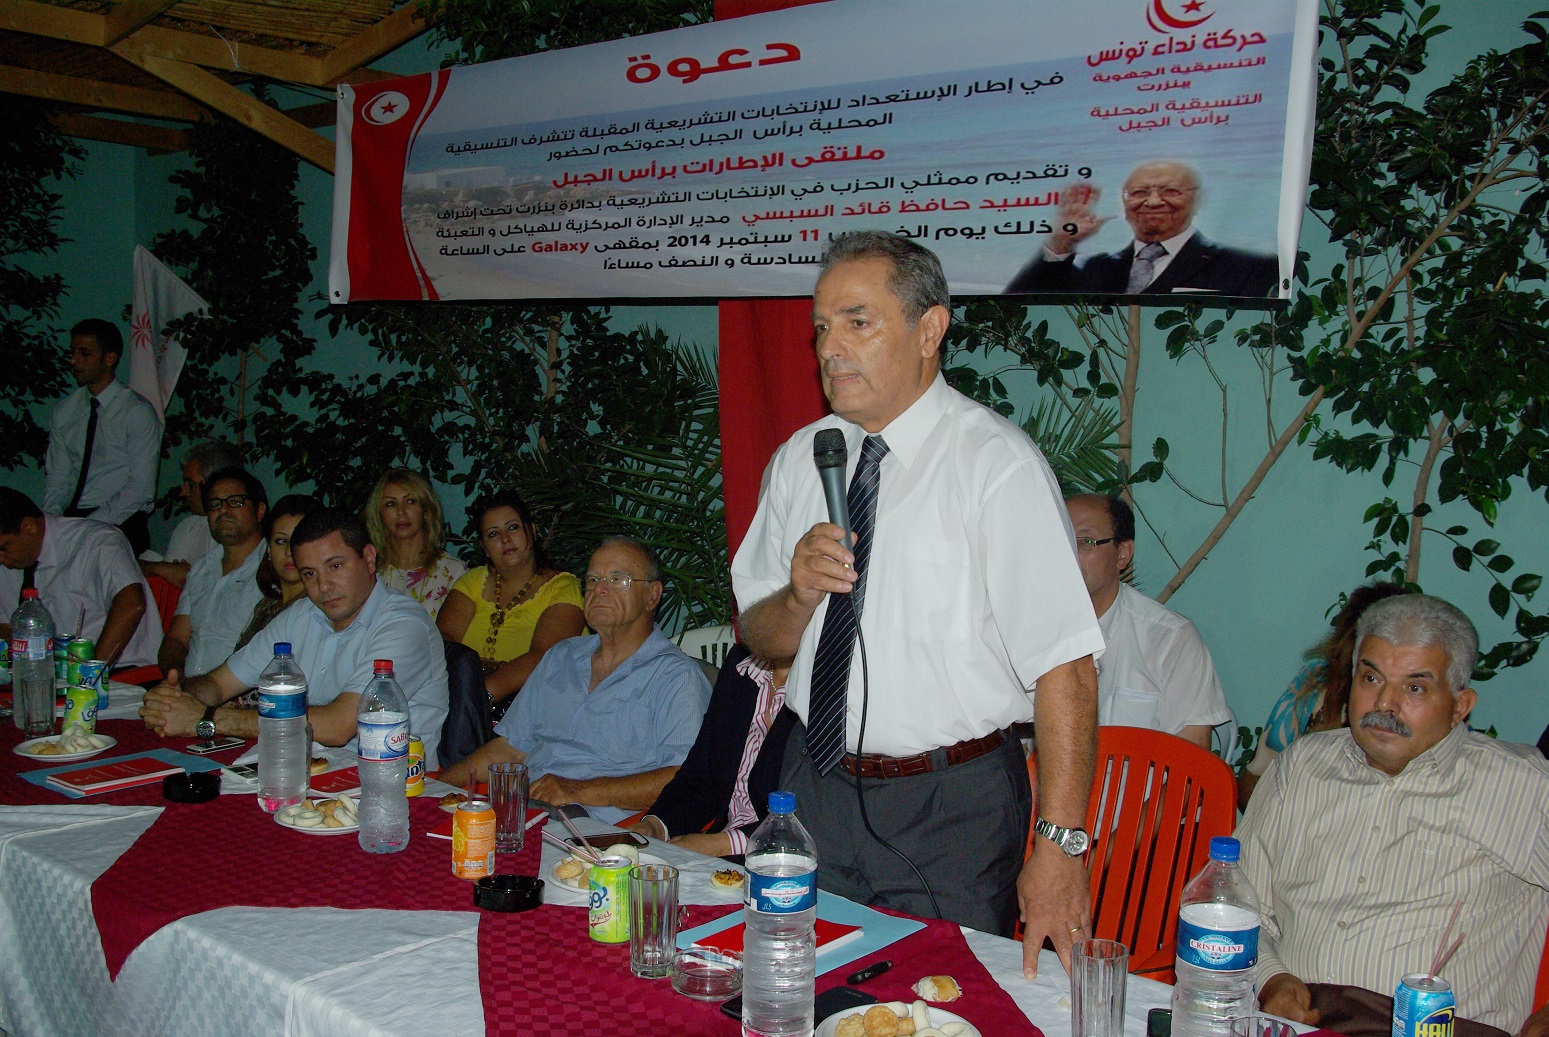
(514, 609)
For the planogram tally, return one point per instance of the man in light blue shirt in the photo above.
(606, 718)
(222, 586)
(348, 620)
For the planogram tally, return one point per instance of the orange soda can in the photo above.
(414, 784)
(473, 840)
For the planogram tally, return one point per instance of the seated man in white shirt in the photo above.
(190, 539)
(223, 586)
(1156, 672)
(85, 573)
(349, 620)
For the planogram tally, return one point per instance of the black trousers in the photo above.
(964, 827)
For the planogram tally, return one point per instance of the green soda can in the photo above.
(608, 906)
(79, 650)
(80, 709)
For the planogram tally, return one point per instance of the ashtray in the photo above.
(199, 787)
(707, 975)
(508, 892)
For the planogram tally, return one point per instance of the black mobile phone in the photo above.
(829, 1002)
(214, 745)
(1159, 1022)
(602, 842)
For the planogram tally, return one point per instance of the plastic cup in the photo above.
(1259, 1025)
(508, 795)
(1097, 973)
(653, 920)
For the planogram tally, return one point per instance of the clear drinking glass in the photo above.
(508, 795)
(1097, 972)
(1259, 1025)
(653, 920)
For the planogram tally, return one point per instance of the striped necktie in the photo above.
(836, 645)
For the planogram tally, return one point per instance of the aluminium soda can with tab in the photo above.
(414, 780)
(473, 840)
(607, 914)
(80, 709)
(1423, 1006)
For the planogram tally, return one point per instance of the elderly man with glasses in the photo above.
(1167, 256)
(1157, 673)
(606, 718)
(222, 586)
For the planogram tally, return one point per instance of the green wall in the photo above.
(1259, 598)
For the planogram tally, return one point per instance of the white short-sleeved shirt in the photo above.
(1157, 672)
(973, 592)
(218, 606)
(190, 540)
(83, 565)
(388, 626)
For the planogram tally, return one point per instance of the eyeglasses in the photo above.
(1172, 195)
(615, 581)
(235, 501)
(1091, 545)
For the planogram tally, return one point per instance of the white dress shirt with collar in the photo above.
(218, 606)
(124, 454)
(973, 591)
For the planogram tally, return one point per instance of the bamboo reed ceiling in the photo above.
(109, 66)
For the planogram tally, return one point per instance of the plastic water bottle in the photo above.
(32, 666)
(1218, 945)
(780, 910)
(382, 748)
(284, 745)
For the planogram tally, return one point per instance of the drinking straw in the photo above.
(80, 623)
(1443, 952)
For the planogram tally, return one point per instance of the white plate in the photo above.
(645, 858)
(21, 750)
(727, 866)
(346, 830)
(937, 1017)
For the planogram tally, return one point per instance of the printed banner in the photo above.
(156, 358)
(1077, 146)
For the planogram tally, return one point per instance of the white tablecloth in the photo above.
(302, 973)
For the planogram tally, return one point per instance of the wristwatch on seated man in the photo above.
(206, 728)
(1073, 841)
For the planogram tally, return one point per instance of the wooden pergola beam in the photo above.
(129, 15)
(371, 43)
(239, 105)
(156, 139)
(91, 93)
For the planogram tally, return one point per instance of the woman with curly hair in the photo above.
(406, 524)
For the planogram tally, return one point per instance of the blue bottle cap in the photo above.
(282, 648)
(1225, 848)
(782, 802)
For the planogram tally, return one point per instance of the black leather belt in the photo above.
(872, 765)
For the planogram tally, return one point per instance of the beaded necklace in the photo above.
(499, 615)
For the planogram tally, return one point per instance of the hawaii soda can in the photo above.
(607, 905)
(473, 840)
(1423, 1006)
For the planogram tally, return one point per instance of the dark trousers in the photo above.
(964, 827)
(136, 527)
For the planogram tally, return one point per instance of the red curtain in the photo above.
(768, 376)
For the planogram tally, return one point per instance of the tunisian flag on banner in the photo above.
(156, 359)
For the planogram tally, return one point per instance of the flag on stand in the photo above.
(155, 358)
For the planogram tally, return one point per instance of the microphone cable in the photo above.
(860, 795)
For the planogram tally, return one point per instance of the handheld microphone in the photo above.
(829, 453)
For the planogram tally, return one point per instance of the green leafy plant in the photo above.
(34, 156)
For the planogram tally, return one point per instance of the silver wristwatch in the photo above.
(206, 728)
(1073, 841)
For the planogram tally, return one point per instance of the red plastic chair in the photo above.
(1541, 995)
(1157, 801)
(166, 595)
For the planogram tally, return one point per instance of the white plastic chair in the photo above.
(709, 644)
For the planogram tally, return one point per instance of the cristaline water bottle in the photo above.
(32, 666)
(780, 909)
(382, 741)
(284, 748)
(1218, 945)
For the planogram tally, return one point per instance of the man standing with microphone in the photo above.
(959, 611)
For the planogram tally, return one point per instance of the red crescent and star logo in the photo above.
(390, 106)
(1166, 15)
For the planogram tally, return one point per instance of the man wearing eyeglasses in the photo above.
(222, 586)
(1156, 673)
(86, 575)
(1167, 256)
(606, 718)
